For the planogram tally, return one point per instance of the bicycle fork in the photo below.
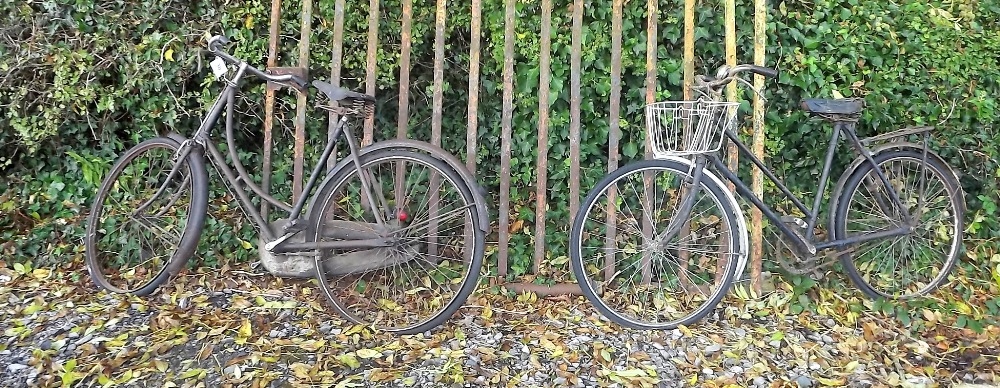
(678, 221)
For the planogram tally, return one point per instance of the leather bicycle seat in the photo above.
(338, 94)
(846, 106)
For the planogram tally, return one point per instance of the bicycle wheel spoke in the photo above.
(142, 233)
(654, 283)
(914, 263)
(431, 262)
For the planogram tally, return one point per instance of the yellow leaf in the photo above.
(246, 244)
(188, 374)
(161, 365)
(301, 370)
(632, 373)
(369, 353)
(41, 273)
(605, 355)
(31, 309)
(487, 312)
(169, 55)
(349, 360)
(248, 22)
(245, 329)
(832, 382)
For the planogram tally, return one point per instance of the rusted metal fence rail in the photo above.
(507, 114)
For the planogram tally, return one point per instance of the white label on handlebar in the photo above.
(219, 68)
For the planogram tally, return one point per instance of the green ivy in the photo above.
(102, 75)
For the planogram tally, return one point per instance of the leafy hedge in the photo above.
(82, 80)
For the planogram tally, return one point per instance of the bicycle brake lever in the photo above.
(749, 85)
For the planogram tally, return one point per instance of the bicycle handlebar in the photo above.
(727, 74)
(215, 44)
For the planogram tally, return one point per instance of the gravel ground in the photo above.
(242, 329)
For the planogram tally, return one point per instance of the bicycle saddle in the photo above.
(846, 106)
(339, 94)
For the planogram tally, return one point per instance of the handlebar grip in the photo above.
(764, 71)
(216, 41)
(301, 83)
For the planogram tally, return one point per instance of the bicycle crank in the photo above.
(796, 262)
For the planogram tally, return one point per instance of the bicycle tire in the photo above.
(948, 190)
(373, 311)
(132, 168)
(592, 277)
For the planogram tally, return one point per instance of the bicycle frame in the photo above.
(276, 243)
(807, 243)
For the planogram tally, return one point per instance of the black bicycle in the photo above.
(658, 243)
(397, 229)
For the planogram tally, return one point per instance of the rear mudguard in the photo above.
(860, 160)
(478, 193)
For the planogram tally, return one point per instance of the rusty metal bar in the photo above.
(688, 47)
(543, 290)
(574, 111)
(272, 61)
(733, 151)
(731, 88)
(402, 120)
(472, 130)
(300, 105)
(505, 137)
(472, 133)
(372, 66)
(437, 108)
(614, 135)
(542, 162)
(651, 35)
(336, 65)
(757, 180)
(404, 70)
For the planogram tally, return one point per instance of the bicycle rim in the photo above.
(133, 238)
(424, 277)
(626, 267)
(910, 265)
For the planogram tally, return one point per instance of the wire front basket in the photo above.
(679, 128)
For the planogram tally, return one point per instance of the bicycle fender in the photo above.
(478, 192)
(741, 222)
(887, 147)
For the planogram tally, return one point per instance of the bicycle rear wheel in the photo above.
(624, 262)
(433, 266)
(143, 227)
(910, 265)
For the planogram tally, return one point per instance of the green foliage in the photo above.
(82, 80)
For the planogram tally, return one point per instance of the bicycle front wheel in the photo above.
(429, 212)
(143, 224)
(910, 265)
(636, 273)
